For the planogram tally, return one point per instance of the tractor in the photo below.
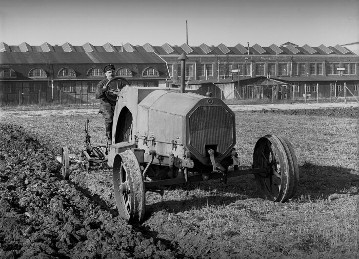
(164, 137)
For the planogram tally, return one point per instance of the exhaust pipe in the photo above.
(183, 58)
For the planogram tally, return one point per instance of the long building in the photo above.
(66, 73)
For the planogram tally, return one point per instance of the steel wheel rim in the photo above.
(268, 156)
(124, 188)
(273, 183)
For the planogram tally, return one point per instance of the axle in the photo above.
(242, 170)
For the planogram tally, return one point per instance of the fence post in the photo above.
(272, 93)
(345, 92)
(293, 92)
(330, 92)
(335, 90)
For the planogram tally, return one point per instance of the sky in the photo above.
(263, 22)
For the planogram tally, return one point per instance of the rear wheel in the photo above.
(277, 157)
(128, 187)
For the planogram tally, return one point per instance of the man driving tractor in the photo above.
(107, 106)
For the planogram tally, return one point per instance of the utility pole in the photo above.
(186, 33)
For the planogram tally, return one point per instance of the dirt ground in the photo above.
(43, 216)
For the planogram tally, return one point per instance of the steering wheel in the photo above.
(114, 86)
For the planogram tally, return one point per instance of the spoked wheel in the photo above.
(128, 187)
(276, 155)
(114, 86)
(65, 170)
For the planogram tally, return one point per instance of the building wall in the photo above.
(219, 62)
(53, 88)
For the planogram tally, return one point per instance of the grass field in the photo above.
(213, 220)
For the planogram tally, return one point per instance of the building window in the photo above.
(37, 73)
(91, 87)
(7, 73)
(260, 69)
(333, 68)
(282, 69)
(66, 72)
(295, 69)
(312, 67)
(301, 69)
(68, 87)
(150, 72)
(170, 69)
(206, 70)
(319, 69)
(271, 69)
(95, 72)
(352, 70)
(245, 69)
(232, 67)
(224, 69)
(349, 69)
(124, 72)
(355, 87)
(190, 71)
(307, 88)
(296, 88)
(314, 88)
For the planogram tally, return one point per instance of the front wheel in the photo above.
(276, 155)
(128, 187)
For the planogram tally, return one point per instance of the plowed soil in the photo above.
(43, 216)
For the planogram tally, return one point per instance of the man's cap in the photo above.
(108, 67)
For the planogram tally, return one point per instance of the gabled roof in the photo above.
(341, 49)
(223, 48)
(46, 47)
(88, 47)
(205, 48)
(167, 48)
(128, 47)
(24, 47)
(276, 49)
(241, 48)
(289, 43)
(186, 48)
(309, 49)
(292, 49)
(4, 47)
(325, 49)
(79, 58)
(148, 47)
(258, 48)
(109, 47)
(287, 48)
(67, 47)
